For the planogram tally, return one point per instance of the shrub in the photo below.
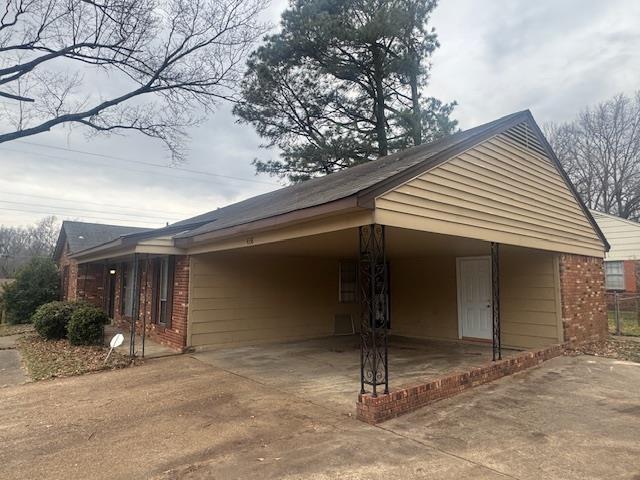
(86, 326)
(51, 319)
(36, 283)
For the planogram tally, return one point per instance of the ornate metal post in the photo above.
(495, 300)
(375, 312)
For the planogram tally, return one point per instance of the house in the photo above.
(85, 281)
(622, 260)
(478, 238)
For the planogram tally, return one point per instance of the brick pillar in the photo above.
(180, 303)
(584, 310)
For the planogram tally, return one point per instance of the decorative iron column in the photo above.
(495, 300)
(135, 305)
(374, 318)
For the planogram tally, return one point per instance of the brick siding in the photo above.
(582, 292)
(70, 284)
(90, 283)
(630, 276)
(175, 335)
(378, 409)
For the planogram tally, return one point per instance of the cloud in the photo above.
(496, 57)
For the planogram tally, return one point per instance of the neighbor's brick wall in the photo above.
(385, 407)
(582, 291)
(630, 276)
(174, 336)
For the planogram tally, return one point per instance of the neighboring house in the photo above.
(622, 262)
(476, 237)
(86, 281)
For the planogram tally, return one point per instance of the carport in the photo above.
(325, 370)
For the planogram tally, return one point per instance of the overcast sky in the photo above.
(497, 57)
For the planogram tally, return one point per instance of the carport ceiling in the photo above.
(344, 244)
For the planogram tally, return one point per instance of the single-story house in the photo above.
(85, 281)
(478, 238)
(622, 261)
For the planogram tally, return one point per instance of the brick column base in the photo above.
(385, 407)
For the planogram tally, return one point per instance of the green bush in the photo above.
(36, 283)
(51, 319)
(86, 326)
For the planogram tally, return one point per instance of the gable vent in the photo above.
(523, 135)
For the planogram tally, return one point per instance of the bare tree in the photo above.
(160, 63)
(601, 152)
(18, 245)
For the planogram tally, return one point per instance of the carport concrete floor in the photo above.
(176, 417)
(327, 370)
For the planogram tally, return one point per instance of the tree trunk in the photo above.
(381, 124)
(416, 132)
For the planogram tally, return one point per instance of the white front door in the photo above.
(474, 297)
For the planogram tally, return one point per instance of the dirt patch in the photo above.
(613, 347)
(6, 329)
(58, 358)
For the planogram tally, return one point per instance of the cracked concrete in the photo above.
(571, 418)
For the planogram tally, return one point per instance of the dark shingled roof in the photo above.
(335, 186)
(82, 235)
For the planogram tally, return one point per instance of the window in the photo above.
(163, 288)
(126, 291)
(614, 275)
(348, 282)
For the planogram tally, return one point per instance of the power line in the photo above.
(57, 214)
(100, 204)
(150, 164)
(108, 212)
(107, 165)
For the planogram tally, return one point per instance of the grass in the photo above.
(628, 323)
(58, 358)
(6, 329)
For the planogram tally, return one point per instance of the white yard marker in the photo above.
(115, 342)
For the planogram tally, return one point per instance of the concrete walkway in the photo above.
(573, 418)
(11, 371)
(151, 349)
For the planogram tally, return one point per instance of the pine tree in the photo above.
(341, 84)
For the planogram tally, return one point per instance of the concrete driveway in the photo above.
(572, 418)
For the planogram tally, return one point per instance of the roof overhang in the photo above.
(330, 216)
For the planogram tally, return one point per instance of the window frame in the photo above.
(354, 295)
(163, 307)
(619, 276)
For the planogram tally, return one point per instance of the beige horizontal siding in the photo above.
(423, 297)
(529, 298)
(623, 235)
(238, 299)
(496, 191)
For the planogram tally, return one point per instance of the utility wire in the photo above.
(150, 164)
(25, 204)
(57, 214)
(100, 204)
